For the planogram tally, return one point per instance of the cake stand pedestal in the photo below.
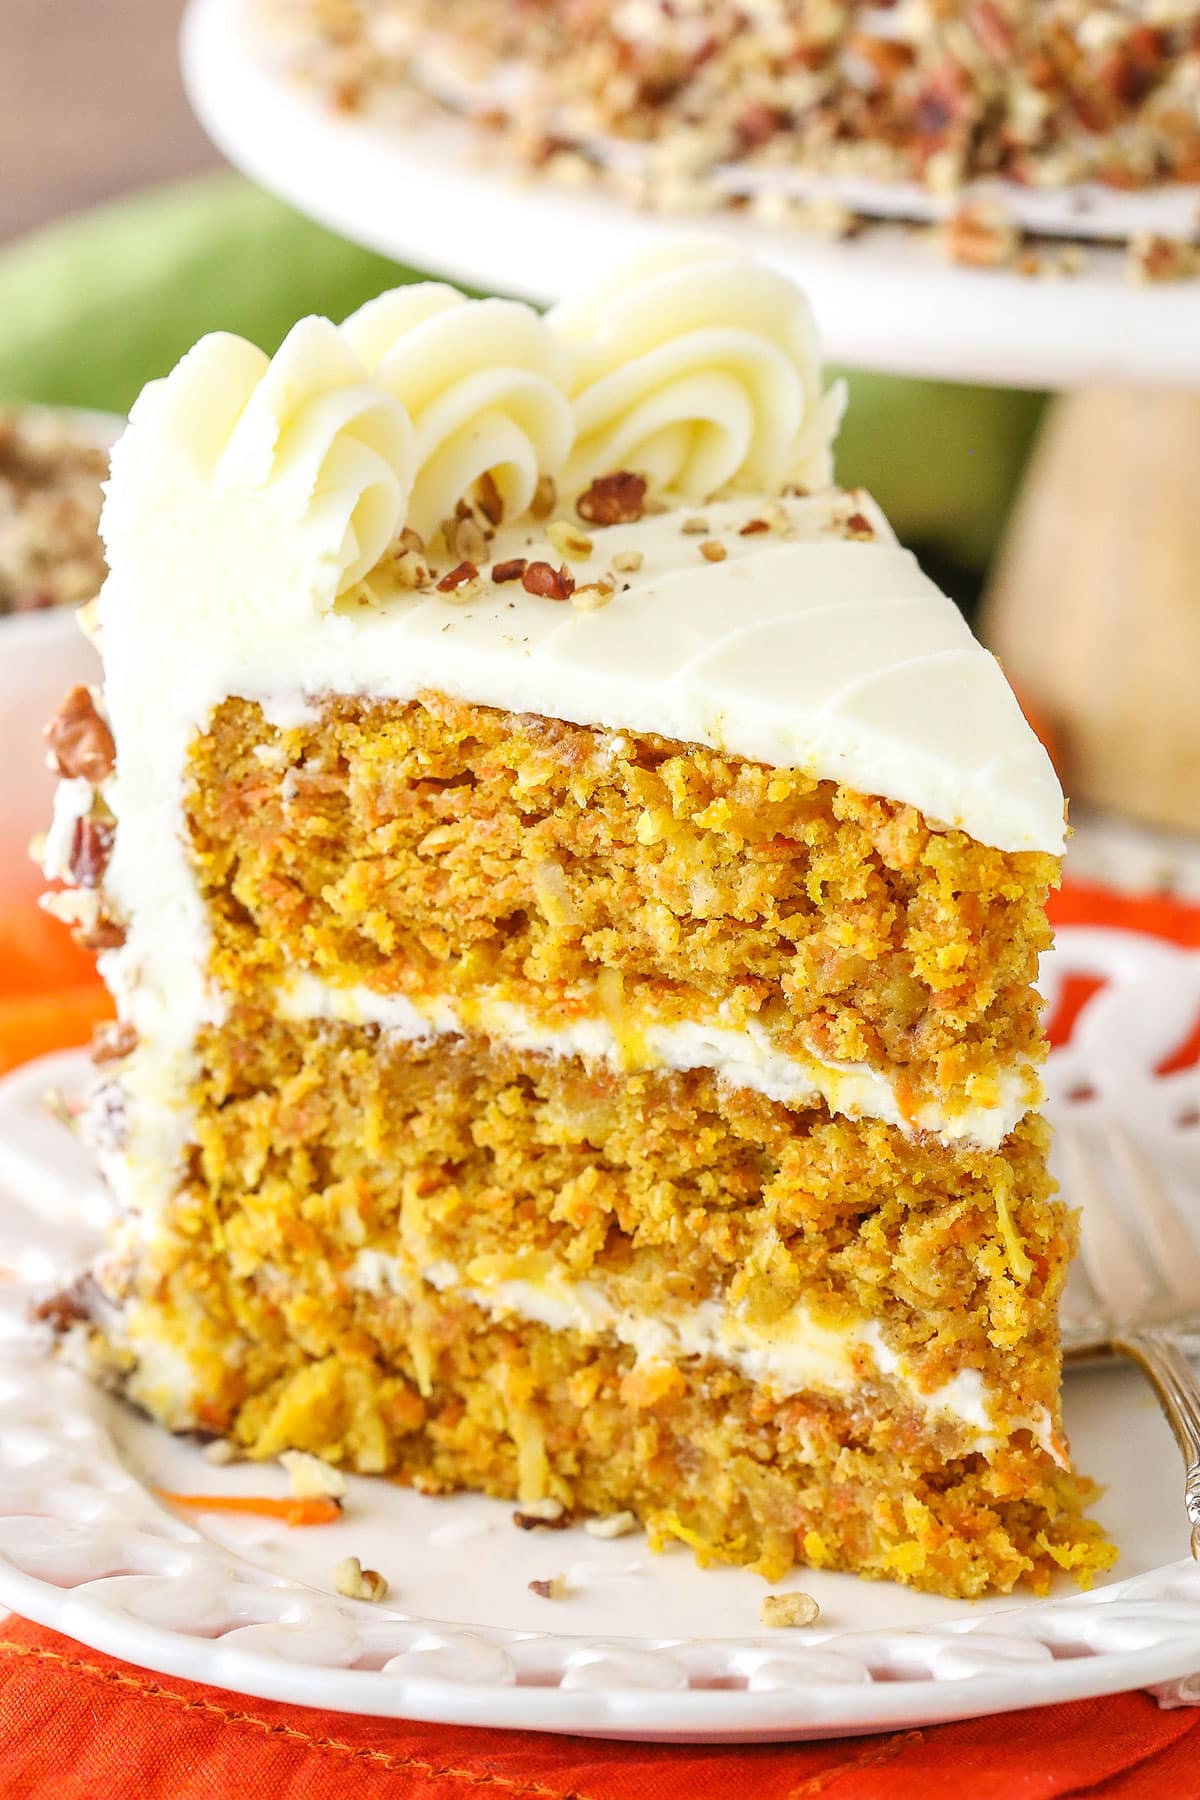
(1096, 604)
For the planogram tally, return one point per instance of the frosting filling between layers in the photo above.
(796, 1355)
(742, 1056)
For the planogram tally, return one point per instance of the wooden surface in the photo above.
(90, 105)
(1094, 607)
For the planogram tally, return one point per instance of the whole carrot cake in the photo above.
(1045, 93)
(573, 890)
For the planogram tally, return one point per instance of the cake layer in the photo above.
(432, 1390)
(580, 881)
(662, 1209)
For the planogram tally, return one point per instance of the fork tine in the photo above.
(1167, 1238)
(1114, 1263)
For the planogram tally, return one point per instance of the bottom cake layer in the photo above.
(431, 1391)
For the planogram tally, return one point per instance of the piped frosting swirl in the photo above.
(483, 382)
(698, 369)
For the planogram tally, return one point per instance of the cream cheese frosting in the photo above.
(741, 1057)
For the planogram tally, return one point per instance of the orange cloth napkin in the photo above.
(75, 1724)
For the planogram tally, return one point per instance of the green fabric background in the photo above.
(93, 307)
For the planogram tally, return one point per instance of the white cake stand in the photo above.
(421, 190)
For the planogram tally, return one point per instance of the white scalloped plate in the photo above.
(426, 190)
(644, 1646)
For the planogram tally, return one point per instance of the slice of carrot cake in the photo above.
(573, 891)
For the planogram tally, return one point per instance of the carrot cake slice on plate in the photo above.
(573, 891)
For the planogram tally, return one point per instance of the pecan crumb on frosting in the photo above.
(91, 847)
(545, 498)
(79, 739)
(488, 498)
(568, 539)
(458, 577)
(618, 499)
(509, 571)
(111, 1043)
(550, 583)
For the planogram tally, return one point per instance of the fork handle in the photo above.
(1161, 1354)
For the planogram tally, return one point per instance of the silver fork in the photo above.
(1134, 1289)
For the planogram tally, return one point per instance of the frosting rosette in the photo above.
(697, 368)
(297, 463)
(484, 383)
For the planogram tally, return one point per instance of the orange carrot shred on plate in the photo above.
(319, 1511)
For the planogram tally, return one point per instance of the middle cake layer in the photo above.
(662, 1210)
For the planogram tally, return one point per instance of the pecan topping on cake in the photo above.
(79, 739)
(91, 847)
(613, 499)
(550, 583)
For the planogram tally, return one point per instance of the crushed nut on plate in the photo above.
(613, 1525)
(551, 1514)
(553, 1589)
(220, 1453)
(311, 1478)
(778, 1610)
(354, 1582)
(712, 550)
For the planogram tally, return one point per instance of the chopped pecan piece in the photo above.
(550, 583)
(79, 739)
(73, 1305)
(466, 571)
(112, 1042)
(488, 498)
(105, 934)
(91, 847)
(550, 1514)
(618, 499)
(752, 527)
(509, 571)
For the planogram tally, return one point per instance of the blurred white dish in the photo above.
(42, 654)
